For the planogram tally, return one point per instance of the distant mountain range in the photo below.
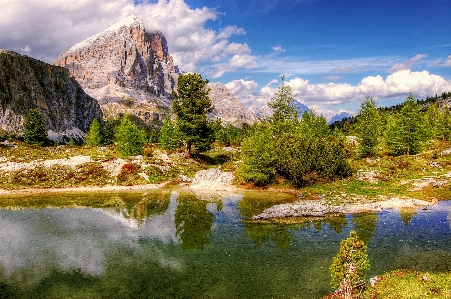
(339, 117)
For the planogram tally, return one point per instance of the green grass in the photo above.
(396, 176)
(406, 284)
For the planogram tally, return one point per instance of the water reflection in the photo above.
(174, 245)
(407, 215)
(193, 222)
(149, 205)
(365, 225)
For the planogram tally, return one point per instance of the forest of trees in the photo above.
(300, 149)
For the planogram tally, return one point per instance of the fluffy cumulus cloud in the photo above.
(43, 29)
(324, 97)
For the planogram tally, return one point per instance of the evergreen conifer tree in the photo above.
(169, 136)
(94, 135)
(130, 140)
(407, 130)
(108, 132)
(368, 127)
(191, 105)
(34, 127)
(349, 267)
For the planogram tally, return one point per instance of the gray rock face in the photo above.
(27, 83)
(212, 178)
(227, 107)
(125, 61)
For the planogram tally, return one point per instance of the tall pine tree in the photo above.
(130, 140)
(34, 127)
(169, 136)
(94, 135)
(191, 105)
(407, 130)
(368, 127)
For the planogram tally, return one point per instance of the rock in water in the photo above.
(125, 67)
(27, 83)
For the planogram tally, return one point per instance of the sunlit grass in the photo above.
(403, 284)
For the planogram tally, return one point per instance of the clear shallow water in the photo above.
(170, 245)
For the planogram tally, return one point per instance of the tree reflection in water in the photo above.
(193, 222)
(365, 225)
(407, 215)
(142, 206)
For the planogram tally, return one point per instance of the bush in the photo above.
(305, 160)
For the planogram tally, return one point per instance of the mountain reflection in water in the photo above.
(164, 244)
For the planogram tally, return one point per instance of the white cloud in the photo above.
(448, 62)
(43, 29)
(278, 48)
(405, 65)
(323, 97)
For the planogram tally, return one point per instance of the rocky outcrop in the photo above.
(212, 178)
(125, 67)
(227, 107)
(27, 83)
(321, 208)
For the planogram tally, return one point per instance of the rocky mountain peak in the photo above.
(227, 107)
(125, 62)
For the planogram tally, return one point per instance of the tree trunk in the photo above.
(188, 151)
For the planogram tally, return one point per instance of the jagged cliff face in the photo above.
(125, 61)
(227, 107)
(27, 83)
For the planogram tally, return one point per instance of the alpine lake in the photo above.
(171, 243)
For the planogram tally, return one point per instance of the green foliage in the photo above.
(94, 135)
(313, 126)
(108, 132)
(407, 130)
(445, 132)
(285, 115)
(349, 266)
(303, 152)
(433, 117)
(258, 157)
(191, 105)
(170, 138)
(34, 127)
(228, 135)
(305, 161)
(368, 128)
(130, 140)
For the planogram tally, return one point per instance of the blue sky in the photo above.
(335, 53)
